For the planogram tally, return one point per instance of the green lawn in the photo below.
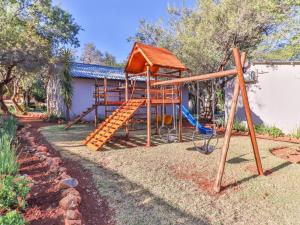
(167, 183)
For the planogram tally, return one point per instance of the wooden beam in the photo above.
(243, 88)
(180, 112)
(148, 108)
(196, 78)
(229, 127)
(126, 99)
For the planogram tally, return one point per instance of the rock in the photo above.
(62, 169)
(73, 214)
(71, 191)
(69, 202)
(64, 175)
(42, 148)
(73, 222)
(68, 183)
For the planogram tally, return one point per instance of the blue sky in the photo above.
(108, 23)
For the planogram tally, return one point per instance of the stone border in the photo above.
(71, 198)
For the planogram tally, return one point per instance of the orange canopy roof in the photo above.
(155, 57)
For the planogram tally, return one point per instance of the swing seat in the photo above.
(168, 119)
(205, 144)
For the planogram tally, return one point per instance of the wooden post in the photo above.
(242, 84)
(156, 113)
(148, 108)
(126, 99)
(105, 96)
(96, 102)
(180, 111)
(235, 96)
(229, 127)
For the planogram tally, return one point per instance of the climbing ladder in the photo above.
(112, 124)
(79, 117)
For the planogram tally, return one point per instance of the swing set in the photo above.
(240, 87)
(163, 70)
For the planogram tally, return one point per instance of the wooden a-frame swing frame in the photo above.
(240, 87)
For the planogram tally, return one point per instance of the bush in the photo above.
(239, 126)
(8, 156)
(275, 132)
(12, 218)
(272, 131)
(296, 134)
(13, 191)
(9, 126)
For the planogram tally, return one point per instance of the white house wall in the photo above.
(274, 98)
(83, 90)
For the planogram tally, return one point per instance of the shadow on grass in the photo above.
(135, 203)
(266, 173)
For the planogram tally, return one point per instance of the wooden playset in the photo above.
(163, 86)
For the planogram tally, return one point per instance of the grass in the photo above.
(162, 184)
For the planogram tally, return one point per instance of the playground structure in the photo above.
(109, 95)
(163, 73)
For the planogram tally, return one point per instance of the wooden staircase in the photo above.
(112, 124)
(79, 117)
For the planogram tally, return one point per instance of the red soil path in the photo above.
(44, 197)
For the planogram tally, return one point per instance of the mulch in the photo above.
(43, 202)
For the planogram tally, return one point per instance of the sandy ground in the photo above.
(170, 183)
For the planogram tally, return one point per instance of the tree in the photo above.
(202, 37)
(32, 33)
(66, 81)
(92, 55)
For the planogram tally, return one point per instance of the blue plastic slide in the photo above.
(194, 122)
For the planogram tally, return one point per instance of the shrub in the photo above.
(9, 126)
(275, 132)
(296, 134)
(12, 218)
(13, 191)
(272, 131)
(239, 126)
(8, 157)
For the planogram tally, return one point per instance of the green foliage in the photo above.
(296, 134)
(203, 36)
(13, 191)
(92, 55)
(38, 90)
(275, 132)
(238, 126)
(8, 157)
(270, 130)
(12, 218)
(220, 122)
(32, 34)
(8, 126)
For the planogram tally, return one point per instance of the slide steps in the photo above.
(104, 131)
(79, 117)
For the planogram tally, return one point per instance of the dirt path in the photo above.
(43, 208)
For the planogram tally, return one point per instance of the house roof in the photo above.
(155, 57)
(91, 71)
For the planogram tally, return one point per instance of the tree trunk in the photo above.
(2, 103)
(67, 114)
(8, 78)
(17, 107)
